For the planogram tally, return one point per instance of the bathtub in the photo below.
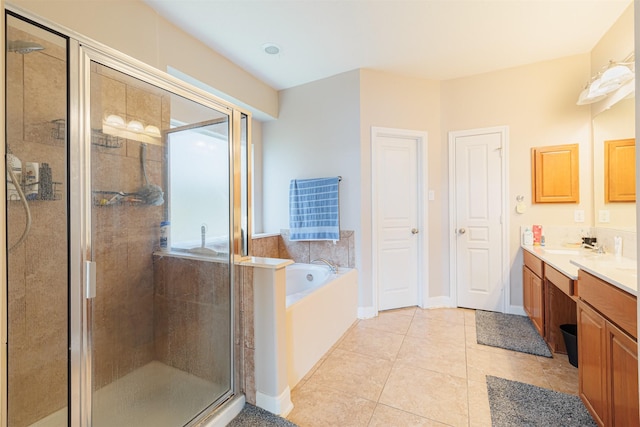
(321, 306)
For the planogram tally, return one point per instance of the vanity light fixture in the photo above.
(115, 125)
(607, 81)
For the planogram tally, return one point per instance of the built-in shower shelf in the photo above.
(102, 139)
(115, 198)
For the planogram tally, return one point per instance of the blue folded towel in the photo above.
(313, 209)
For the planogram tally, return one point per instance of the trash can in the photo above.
(570, 334)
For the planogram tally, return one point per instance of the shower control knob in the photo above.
(414, 231)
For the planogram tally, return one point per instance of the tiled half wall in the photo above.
(342, 253)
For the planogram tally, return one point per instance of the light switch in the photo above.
(432, 195)
(603, 215)
(578, 215)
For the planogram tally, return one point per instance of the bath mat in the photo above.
(509, 331)
(514, 403)
(252, 416)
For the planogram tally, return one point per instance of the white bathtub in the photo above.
(321, 306)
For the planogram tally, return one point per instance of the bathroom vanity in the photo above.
(598, 292)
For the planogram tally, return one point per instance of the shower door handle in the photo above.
(90, 279)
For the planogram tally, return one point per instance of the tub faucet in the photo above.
(332, 267)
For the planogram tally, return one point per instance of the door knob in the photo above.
(462, 231)
(414, 231)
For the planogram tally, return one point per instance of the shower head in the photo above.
(23, 47)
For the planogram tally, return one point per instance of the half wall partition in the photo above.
(123, 226)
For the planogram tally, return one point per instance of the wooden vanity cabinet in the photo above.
(533, 290)
(560, 307)
(607, 352)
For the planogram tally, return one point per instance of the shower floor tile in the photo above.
(154, 395)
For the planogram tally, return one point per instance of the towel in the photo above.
(313, 209)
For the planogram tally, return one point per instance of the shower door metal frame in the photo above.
(82, 51)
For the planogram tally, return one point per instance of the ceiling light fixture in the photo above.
(271, 48)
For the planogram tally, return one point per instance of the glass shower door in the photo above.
(161, 316)
(37, 226)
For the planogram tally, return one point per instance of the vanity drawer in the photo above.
(613, 303)
(533, 262)
(562, 282)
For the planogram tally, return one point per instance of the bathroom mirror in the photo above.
(616, 123)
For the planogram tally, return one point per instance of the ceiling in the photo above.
(431, 39)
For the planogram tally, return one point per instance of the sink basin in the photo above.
(562, 251)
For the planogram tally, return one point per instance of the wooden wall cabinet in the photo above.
(607, 353)
(533, 290)
(555, 174)
(620, 170)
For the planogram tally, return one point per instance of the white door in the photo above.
(477, 215)
(396, 195)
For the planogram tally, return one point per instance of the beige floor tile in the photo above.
(436, 330)
(469, 317)
(447, 358)
(429, 394)
(560, 374)
(405, 311)
(451, 315)
(325, 407)
(372, 342)
(479, 411)
(395, 322)
(386, 416)
(512, 366)
(352, 373)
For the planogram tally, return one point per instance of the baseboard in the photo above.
(516, 309)
(367, 312)
(225, 415)
(279, 405)
(438, 302)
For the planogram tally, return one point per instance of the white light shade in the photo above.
(115, 121)
(152, 131)
(135, 126)
(591, 94)
(615, 77)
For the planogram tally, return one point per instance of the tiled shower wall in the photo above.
(124, 235)
(192, 316)
(342, 253)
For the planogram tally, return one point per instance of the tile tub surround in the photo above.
(342, 253)
(416, 367)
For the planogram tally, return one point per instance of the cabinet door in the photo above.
(622, 370)
(592, 362)
(537, 303)
(526, 290)
(620, 170)
(555, 174)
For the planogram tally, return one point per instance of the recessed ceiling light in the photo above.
(271, 48)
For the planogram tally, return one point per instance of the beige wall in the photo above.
(392, 101)
(538, 104)
(135, 29)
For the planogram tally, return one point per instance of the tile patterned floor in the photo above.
(414, 367)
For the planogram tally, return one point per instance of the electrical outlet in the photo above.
(603, 215)
(432, 195)
(578, 215)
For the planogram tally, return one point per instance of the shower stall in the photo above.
(105, 157)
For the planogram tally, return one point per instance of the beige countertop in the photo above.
(620, 272)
